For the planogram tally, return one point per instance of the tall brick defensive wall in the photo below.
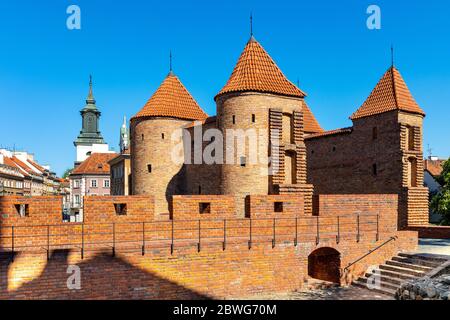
(139, 257)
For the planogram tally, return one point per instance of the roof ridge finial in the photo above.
(90, 99)
(251, 24)
(392, 56)
(170, 64)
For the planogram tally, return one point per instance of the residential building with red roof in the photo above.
(90, 178)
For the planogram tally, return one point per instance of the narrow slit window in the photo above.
(204, 207)
(253, 118)
(149, 168)
(278, 207)
(120, 208)
(22, 210)
(199, 189)
(243, 161)
(142, 136)
(162, 136)
(375, 169)
(234, 119)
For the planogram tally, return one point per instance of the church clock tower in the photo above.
(90, 139)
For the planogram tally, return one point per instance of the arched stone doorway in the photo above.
(325, 264)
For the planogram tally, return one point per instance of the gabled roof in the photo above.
(26, 170)
(97, 163)
(310, 123)
(434, 167)
(172, 100)
(391, 93)
(330, 133)
(256, 71)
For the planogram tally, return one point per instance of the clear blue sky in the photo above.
(44, 67)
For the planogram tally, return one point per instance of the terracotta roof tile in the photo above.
(37, 166)
(25, 169)
(434, 167)
(310, 123)
(97, 163)
(330, 133)
(256, 71)
(391, 93)
(204, 121)
(172, 99)
(9, 162)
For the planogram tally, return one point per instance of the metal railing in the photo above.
(370, 252)
(150, 235)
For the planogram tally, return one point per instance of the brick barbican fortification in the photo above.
(195, 230)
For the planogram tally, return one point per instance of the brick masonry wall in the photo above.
(187, 274)
(263, 206)
(253, 178)
(126, 257)
(42, 210)
(188, 207)
(432, 232)
(344, 163)
(150, 148)
(101, 209)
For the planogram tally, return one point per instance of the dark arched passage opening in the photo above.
(325, 264)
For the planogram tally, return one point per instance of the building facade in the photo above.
(90, 178)
(32, 179)
(121, 165)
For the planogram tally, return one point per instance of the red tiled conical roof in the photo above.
(172, 100)
(391, 93)
(310, 123)
(256, 71)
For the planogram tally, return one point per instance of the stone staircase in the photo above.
(387, 278)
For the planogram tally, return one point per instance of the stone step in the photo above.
(380, 282)
(417, 261)
(409, 266)
(401, 270)
(396, 275)
(381, 290)
(425, 257)
(385, 278)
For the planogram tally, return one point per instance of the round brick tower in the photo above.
(253, 103)
(154, 172)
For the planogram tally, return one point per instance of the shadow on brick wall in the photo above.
(101, 277)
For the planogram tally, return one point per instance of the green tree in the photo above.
(440, 203)
(67, 173)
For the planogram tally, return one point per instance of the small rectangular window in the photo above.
(278, 207)
(204, 207)
(374, 169)
(234, 119)
(162, 136)
(253, 118)
(106, 184)
(120, 208)
(22, 209)
(243, 161)
(149, 168)
(93, 183)
(199, 189)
